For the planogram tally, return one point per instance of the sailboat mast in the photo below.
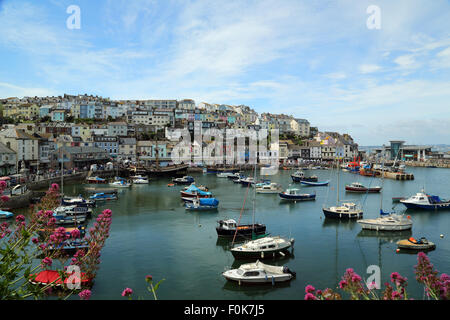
(62, 172)
(337, 188)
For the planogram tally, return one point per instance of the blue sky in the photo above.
(311, 59)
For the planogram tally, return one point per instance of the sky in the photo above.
(313, 59)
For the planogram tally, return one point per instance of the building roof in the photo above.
(5, 149)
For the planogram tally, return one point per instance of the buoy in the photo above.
(442, 236)
(398, 250)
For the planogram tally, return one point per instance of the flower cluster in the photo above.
(435, 287)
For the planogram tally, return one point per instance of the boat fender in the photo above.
(280, 253)
(262, 254)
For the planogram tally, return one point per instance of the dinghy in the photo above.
(259, 273)
(183, 180)
(316, 184)
(413, 244)
(53, 278)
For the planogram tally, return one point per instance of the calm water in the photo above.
(153, 234)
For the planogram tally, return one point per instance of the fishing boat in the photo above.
(202, 204)
(77, 201)
(269, 188)
(267, 247)
(183, 180)
(357, 187)
(6, 214)
(299, 176)
(229, 228)
(259, 273)
(53, 278)
(315, 184)
(96, 180)
(387, 222)
(348, 210)
(294, 194)
(412, 244)
(194, 192)
(224, 174)
(104, 196)
(120, 184)
(424, 201)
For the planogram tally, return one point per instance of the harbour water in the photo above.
(153, 234)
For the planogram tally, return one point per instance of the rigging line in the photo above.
(240, 216)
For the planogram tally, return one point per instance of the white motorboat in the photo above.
(259, 272)
(140, 181)
(120, 184)
(224, 174)
(267, 247)
(269, 188)
(389, 222)
(73, 210)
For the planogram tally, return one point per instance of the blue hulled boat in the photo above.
(202, 204)
(6, 214)
(103, 196)
(315, 184)
(425, 201)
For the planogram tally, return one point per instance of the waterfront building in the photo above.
(78, 157)
(8, 160)
(107, 143)
(25, 145)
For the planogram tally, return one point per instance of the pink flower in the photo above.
(310, 296)
(4, 198)
(309, 289)
(85, 294)
(343, 284)
(2, 184)
(47, 261)
(148, 278)
(20, 218)
(55, 186)
(127, 292)
(75, 233)
(35, 240)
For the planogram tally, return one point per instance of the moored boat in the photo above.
(104, 196)
(347, 210)
(53, 278)
(183, 180)
(269, 188)
(224, 174)
(96, 180)
(295, 195)
(202, 204)
(259, 273)
(357, 187)
(78, 201)
(424, 201)
(6, 214)
(387, 222)
(120, 184)
(229, 228)
(194, 192)
(299, 176)
(315, 184)
(267, 247)
(413, 244)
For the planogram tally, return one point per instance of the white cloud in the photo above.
(369, 68)
(406, 61)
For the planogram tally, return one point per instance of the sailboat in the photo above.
(387, 221)
(231, 228)
(269, 246)
(347, 210)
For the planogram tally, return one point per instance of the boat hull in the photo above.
(269, 254)
(243, 231)
(381, 227)
(342, 216)
(299, 179)
(314, 184)
(259, 280)
(362, 190)
(301, 197)
(442, 206)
